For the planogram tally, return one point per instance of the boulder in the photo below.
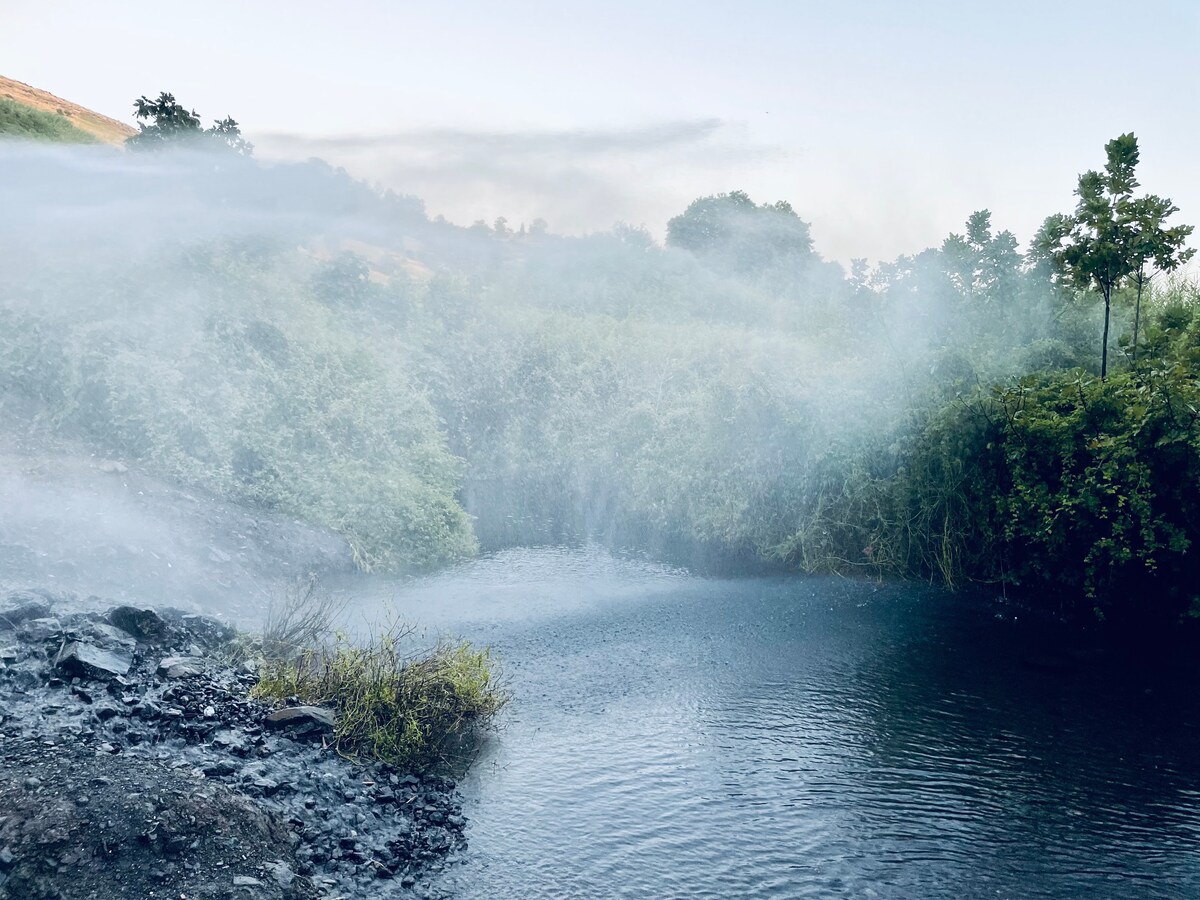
(81, 660)
(143, 624)
(302, 720)
(180, 666)
(22, 606)
(37, 631)
(102, 635)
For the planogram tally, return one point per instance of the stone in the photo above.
(230, 741)
(24, 605)
(144, 624)
(82, 660)
(282, 873)
(39, 630)
(180, 667)
(302, 719)
(246, 881)
(103, 635)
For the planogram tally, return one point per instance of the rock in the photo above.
(144, 624)
(246, 881)
(302, 720)
(231, 741)
(282, 873)
(104, 636)
(37, 631)
(180, 667)
(24, 605)
(88, 661)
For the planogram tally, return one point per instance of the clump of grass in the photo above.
(417, 713)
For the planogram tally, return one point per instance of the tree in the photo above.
(1154, 248)
(1113, 236)
(164, 122)
(982, 265)
(734, 232)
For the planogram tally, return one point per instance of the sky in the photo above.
(884, 124)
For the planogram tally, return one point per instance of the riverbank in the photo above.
(137, 765)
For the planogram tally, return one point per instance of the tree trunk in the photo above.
(1104, 347)
(1137, 314)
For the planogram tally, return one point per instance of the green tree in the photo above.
(734, 232)
(164, 121)
(1155, 248)
(983, 265)
(1113, 237)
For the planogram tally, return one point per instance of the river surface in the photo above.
(679, 736)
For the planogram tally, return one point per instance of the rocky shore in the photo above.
(135, 764)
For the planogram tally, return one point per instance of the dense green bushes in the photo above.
(1084, 493)
(248, 388)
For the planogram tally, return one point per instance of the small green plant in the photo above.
(415, 713)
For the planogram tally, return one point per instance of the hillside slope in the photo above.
(110, 131)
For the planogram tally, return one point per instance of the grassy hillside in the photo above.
(21, 121)
(28, 112)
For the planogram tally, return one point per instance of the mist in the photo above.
(309, 352)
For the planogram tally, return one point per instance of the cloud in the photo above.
(579, 179)
(465, 143)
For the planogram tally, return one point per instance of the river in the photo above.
(681, 736)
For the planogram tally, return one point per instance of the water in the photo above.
(676, 736)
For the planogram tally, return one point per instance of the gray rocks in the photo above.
(302, 720)
(168, 705)
(81, 660)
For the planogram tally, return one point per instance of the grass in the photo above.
(102, 128)
(416, 713)
(20, 121)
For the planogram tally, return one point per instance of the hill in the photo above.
(36, 113)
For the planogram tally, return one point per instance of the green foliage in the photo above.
(414, 713)
(265, 397)
(164, 122)
(1081, 491)
(735, 232)
(20, 121)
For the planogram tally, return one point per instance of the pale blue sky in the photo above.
(885, 124)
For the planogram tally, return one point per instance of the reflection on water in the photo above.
(783, 737)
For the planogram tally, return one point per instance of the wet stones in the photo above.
(172, 705)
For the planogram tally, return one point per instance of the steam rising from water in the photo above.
(283, 338)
